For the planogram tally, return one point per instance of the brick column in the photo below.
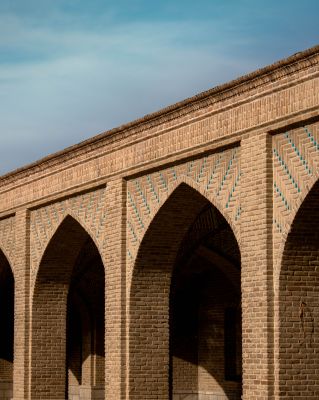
(256, 255)
(22, 309)
(114, 260)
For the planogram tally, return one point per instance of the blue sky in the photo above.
(70, 69)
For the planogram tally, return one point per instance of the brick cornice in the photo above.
(242, 85)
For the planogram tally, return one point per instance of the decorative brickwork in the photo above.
(7, 238)
(217, 195)
(295, 171)
(217, 176)
(87, 208)
(296, 168)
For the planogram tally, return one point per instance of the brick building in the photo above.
(175, 257)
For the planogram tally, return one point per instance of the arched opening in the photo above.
(7, 326)
(185, 317)
(68, 318)
(299, 306)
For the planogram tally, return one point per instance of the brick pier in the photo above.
(172, 258)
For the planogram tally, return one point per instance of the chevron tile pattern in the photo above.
(217, 175)
(88, 208)
(295, 164)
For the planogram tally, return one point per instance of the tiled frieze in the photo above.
(216, 176)
(88, 209)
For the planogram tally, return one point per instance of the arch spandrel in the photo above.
(295, 172)
(187, 186)
(88, 209)
(4, 254)
(7, 239)
(4, 260)
(64, 244)
(216, 177)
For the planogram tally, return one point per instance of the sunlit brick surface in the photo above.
(122, 256)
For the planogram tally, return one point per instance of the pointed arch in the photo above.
(49, 308)
(298, 349)
(68, 214)
(298, 203)
(213, 199)
(7, 325)
(7, 256)
(294, 217)
(149, 295)
(4, 257)
(172, 187)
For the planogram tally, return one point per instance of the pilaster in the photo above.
(256, 256)
(22, 306)
(115, 314)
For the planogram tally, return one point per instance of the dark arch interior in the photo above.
(68, 318)
(7, 326)
(185, 304)
(205, 313)
(299, 306)
(85, 325)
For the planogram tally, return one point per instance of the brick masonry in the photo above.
(250, 150)
(7, 237)
(216, 176)
(87, 208)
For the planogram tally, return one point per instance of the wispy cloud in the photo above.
(66, 75)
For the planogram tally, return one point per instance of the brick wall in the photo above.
(250, 148)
